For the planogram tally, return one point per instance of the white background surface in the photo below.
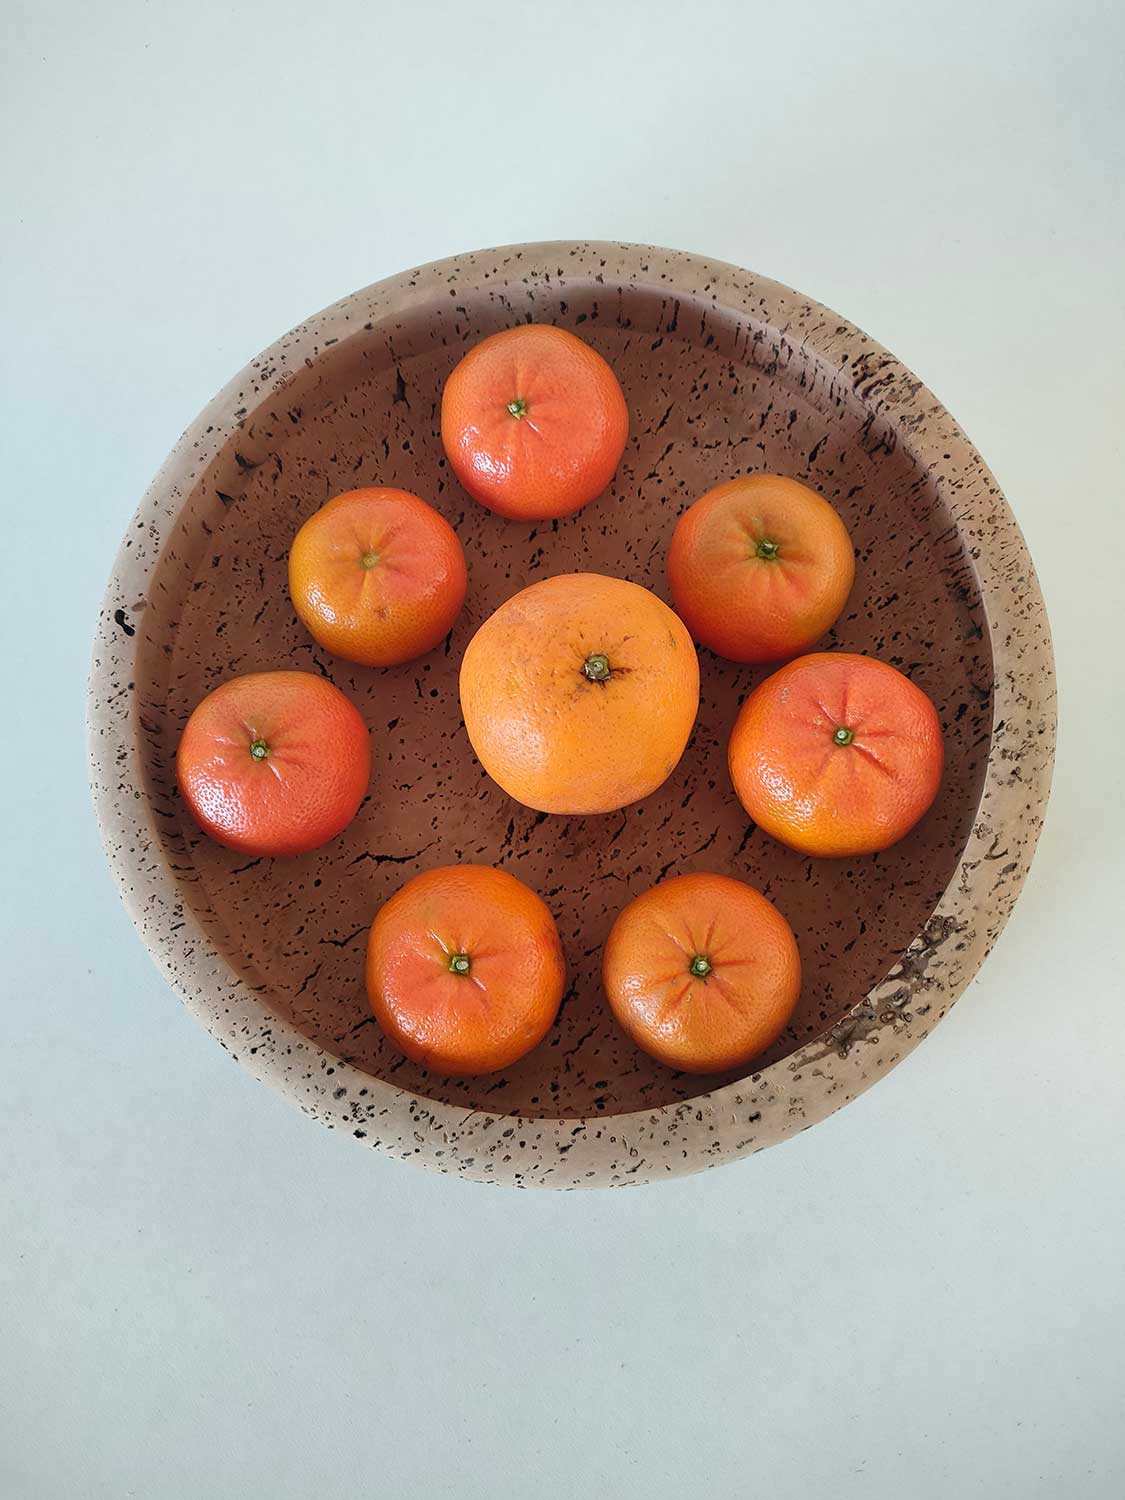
(204, 1295)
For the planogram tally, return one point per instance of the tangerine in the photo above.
(377, 576)
(533, 422)
(274, 762)
(465, 970)
(579, 694)
(836, 754)
(760, 567)
(702, 972)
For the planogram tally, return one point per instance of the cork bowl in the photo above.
(724, 373)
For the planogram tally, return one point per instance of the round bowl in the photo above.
(725, 373)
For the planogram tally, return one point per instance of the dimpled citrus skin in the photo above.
(722, 1019)
(550, 736)
(760, 567)
(564, 446)
(506, 1001)
(308, 784)
(377, 576)
(825, 798)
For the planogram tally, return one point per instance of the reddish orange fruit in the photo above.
(702, 972)
(274, 762)
(533, 422)
(465, 970)
(377, 576)
(836, 754)
(579, 694)
(760, 568)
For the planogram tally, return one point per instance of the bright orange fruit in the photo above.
(836, 754)
(579, 694)
(377, 576)
(760, 567)
(702, 972)
(533, 422)
(274, 762)
(465, 970)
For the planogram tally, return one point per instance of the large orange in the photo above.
(377, 576)
(759, 568)
(836, 754)
(533, 422)
(274, 762)
(579, 694)
(465, 970)
(702, 972)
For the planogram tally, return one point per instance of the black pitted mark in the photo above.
(652, 474)
(751, 829)
(815, 449)
(243, 868)
(308, 979)
(244, 463)
(120, 617)
(393, 859)
(225, 498)
(400, 391)
(585, 1037)
(345, 942)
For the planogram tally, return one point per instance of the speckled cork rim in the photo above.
(724, 373)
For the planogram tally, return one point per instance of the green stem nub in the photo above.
(843, 736)
(368, 559)
(259, 749)
(518, 408)
(700, 967)
(458, 963)
(768, 550)
(596, 666)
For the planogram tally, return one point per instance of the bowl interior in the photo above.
(707, 401)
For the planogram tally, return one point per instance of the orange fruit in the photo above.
(702, 972)
(377, 576)
(533, 422)
(465, 970)
(759, 568)
(579, 694)
(836, 754)
(274, 762)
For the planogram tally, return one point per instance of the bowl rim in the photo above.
(736, 1118)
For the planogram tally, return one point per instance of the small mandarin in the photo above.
(702, 972)
(465, 970)
(533, 422)
(836, 754)
(759, 568)
(274, 762)
(377, 576)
